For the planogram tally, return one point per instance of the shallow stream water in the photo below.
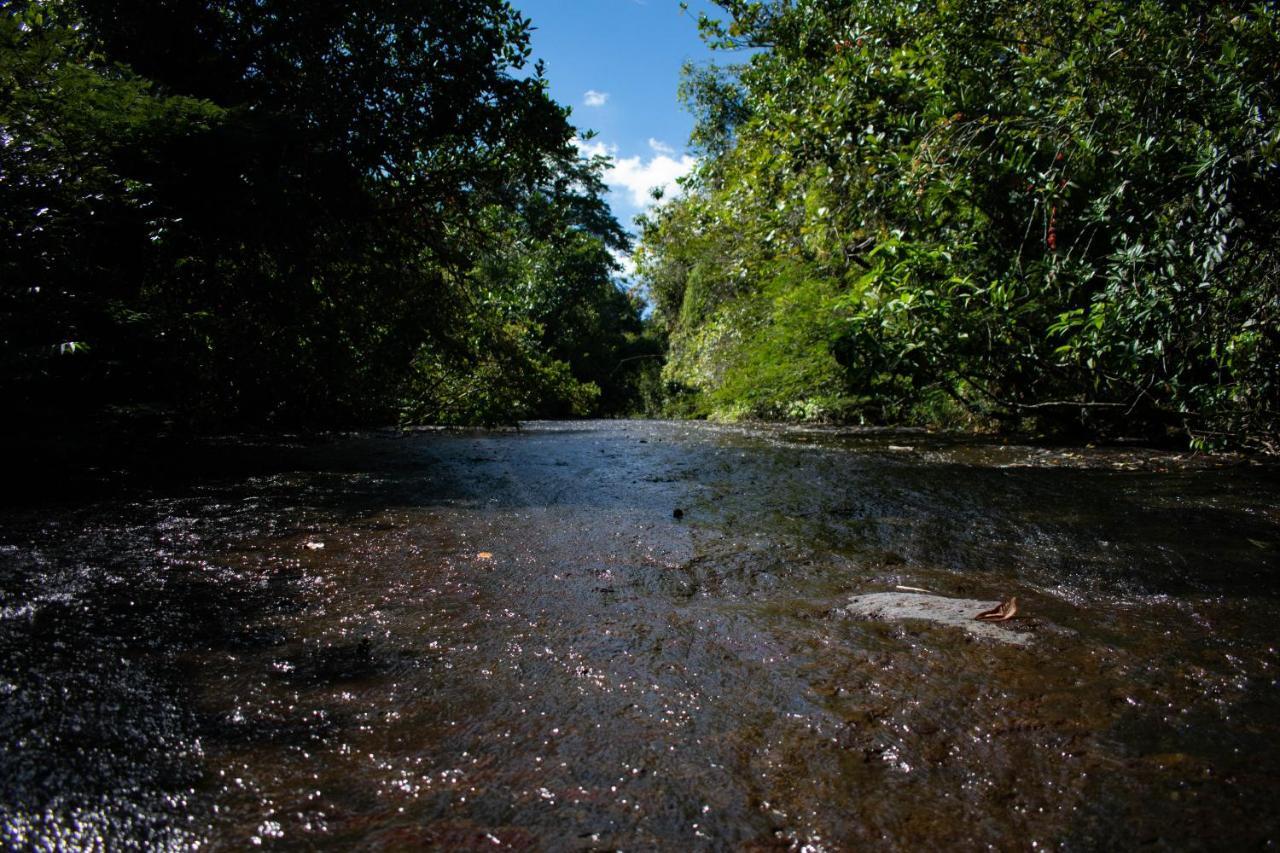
(486, 640)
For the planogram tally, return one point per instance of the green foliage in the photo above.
(1058, 210)
(289, 212)
(505, 380)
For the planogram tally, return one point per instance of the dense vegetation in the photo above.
(298, 212)
(1057, 214)
(1040, 214)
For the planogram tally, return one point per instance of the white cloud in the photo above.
(625, 261)
(634, 177)
(592, 149)
(660, 147)
(639, 177)
(592, 98)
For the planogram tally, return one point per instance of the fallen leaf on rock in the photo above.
(1000, 612)
(953, 612)
(484, 555)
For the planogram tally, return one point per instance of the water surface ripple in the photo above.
(508, 639)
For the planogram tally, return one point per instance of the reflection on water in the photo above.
(464, 640)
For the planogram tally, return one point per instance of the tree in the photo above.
(1051, 211)
(268, 209)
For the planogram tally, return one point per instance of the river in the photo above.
(630, 635)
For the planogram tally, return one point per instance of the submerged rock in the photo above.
(956, 612)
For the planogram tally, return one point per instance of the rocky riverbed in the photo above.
(509, 639)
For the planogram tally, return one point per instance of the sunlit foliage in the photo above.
(1052, 213)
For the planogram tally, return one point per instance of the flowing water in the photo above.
(509, 639)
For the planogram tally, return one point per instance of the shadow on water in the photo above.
(1121, 531)
(114, 563)
(466, 639)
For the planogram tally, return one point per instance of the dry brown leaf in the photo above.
(1001, 612)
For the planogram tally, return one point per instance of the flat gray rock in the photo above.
(956, 612)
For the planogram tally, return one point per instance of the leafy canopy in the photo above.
(295, 211)
(1059, 211)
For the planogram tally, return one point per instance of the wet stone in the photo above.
(955, 612)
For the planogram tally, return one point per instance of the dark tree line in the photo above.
(298, 212)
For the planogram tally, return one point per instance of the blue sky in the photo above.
(617, 64)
